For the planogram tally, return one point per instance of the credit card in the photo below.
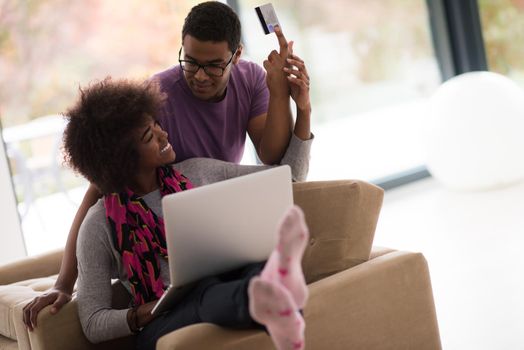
(268, 17)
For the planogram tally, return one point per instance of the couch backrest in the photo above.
(342, 217)
(31, 267)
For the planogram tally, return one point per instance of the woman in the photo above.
(297, 85)
(114, 141)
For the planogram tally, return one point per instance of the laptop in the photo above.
(222, 226)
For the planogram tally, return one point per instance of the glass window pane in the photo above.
(47, 50)
(503, 33)
(372, 69)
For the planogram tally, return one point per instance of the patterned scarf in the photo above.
(139, 236)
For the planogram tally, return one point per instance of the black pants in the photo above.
(221, 300)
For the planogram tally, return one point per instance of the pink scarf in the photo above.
(139, 236)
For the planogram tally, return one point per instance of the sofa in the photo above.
(361, 296)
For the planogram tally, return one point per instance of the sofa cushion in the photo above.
(13, 294)
(342, 217)
(8, 344)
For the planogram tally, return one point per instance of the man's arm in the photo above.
(60, 294)
(271, 132)
(202, 171)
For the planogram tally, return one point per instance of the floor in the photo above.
(473, 244)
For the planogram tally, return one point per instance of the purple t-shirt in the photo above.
(217, 130)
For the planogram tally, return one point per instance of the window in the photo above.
(371, 63)
(47, 49)
(503, 32)
(372, 69)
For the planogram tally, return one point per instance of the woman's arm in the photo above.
(298, 78)
(61, 293)
(297, 156)
(203, 171)
(97, 265)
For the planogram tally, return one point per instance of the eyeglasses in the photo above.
(211, 69)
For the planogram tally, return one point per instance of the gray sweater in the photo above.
(99, 262)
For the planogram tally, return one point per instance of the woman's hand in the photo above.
(144, 313)
(139, 317)
(298, 78)
(54, 296)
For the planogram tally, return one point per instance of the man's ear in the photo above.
(238, 53)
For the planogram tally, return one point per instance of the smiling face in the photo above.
(202, 85)
(153, 147)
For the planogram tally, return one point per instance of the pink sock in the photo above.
(272, 305)
(285, 262)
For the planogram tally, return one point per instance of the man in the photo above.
(214, 97)
(213, 100)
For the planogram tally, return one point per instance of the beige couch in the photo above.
(360, 298)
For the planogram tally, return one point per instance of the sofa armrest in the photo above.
(63, 331)
(59, 331)
(384, 303)
(31, 267)
(377, 251)
(207, 336)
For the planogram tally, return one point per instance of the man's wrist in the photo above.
(278, 89)
(63, 288)
(280, 95)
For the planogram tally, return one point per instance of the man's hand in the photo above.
(276, 77)
(284, 46)
(276, 61)
(54, 296)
